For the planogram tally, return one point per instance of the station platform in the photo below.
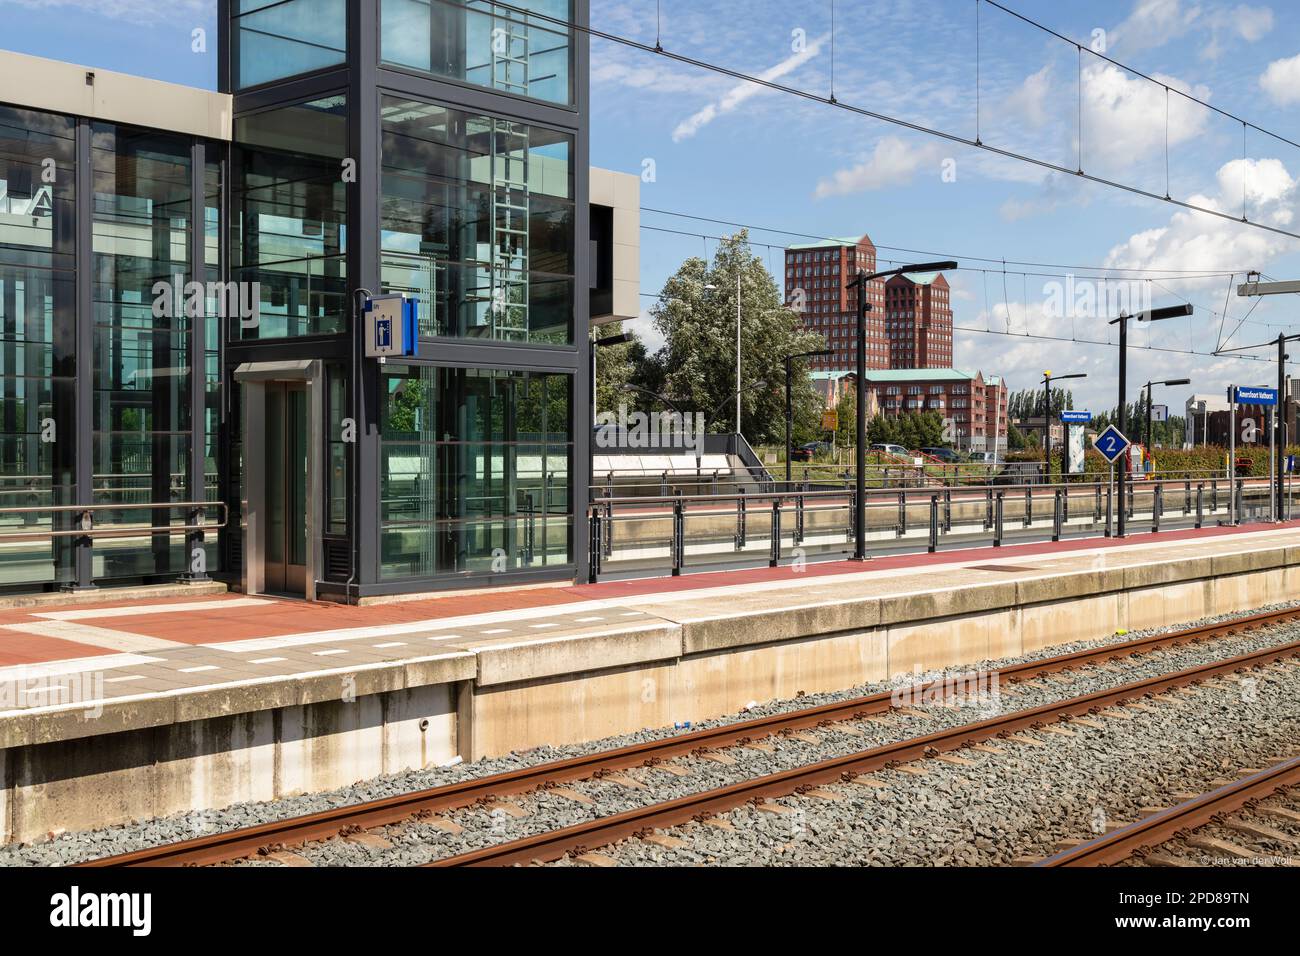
(138, 708)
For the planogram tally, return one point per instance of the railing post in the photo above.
(609, 529)
(988, 509)
(934, 523)
(1187, 496)
(1157, 506)
(1029, 506)
(1214, 496)
(1097, 509)
(1056, 516)
(1240, 491)
(679, 537)
(741, 513)
(798, 520)
(947, 511)
(902, 513)
(775, 560)
(1200, 505)
(1110, 506)
(663, 484)
(594, 546)
(997, 520)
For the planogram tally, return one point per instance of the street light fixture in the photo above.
(1047, 415)
(789, 404)
(1150, 410)
(1151, 315)
(860, 282)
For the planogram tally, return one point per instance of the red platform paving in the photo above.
(277, 617)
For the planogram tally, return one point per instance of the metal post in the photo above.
(775, 560)
(997, 520)
(1029, 506)
(934, 523)
(1056, 516)
(789, 418)
(1047, 424)
(902, 513)
(1110, 501)
(1096, 511)
(1280, 417)
(1123, 420)
(1187, 496)
(798, 520)
(1232, 453)
(594, 548)
(860, 505)
(1157, 506)
(1200, 505)
(947, 510)
(988, 509)
(740, 519)
(679, 536)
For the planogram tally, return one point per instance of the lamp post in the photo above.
(1153, 315)
(860, 282)
(1047, 415)
(789, 404)
(1150, 410)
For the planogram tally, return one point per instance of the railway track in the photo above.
(1142, 839)
(237, 844)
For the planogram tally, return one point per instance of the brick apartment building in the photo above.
(910, 323)
(918, 321)
(815, 277)
(976, 404)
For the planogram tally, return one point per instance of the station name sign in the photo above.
(1082, 418)
(1245, 395)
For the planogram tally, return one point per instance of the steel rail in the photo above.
(1167, 824)
(235, 844)
(578, 839)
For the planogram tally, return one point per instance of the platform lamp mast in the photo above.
(1152, 315)
(861, 282)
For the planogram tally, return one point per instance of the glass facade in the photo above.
(502, 46)
(475, 467)
(142, 395)
(288, 221)
(38, 348)
(277, 39)
(477, 214)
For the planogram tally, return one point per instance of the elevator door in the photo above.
(286, 488)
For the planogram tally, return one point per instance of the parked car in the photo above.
(810, 451)
(896, 450)
(945, 455)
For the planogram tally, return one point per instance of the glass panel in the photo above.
(142, 401)
(478, 223)
(502, 46)
(474, 471)
(288, 223)
(283, 38)
(37, 310)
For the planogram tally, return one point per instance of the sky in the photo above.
(712, 146)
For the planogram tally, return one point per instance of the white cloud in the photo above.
(1124, 115)
(893, 162)
(744, 91)
(1281, 81)
(1154, 23)
(1030, 98)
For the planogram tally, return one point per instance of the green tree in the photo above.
(696, 367)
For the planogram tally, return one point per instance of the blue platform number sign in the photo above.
(1111, 443)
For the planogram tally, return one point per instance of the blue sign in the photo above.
(383, 333)
(1255, 396)
(393, 326)
(1111, 443)
(1080, 417)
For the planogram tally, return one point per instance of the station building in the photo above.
(185, 389)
